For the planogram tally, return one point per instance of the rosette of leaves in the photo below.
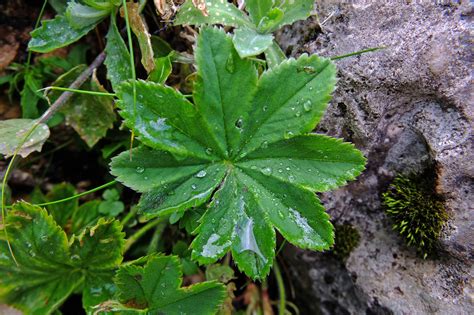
(245, 145)
(253, 33)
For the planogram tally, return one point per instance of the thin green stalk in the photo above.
(360, 52)
(138, 234)
(281, 288)
(58, 88)
(113, 182)
(133, 211)
(132, 65)
(38, 20)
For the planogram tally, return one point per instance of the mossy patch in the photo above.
(417, 212)
(346, 239)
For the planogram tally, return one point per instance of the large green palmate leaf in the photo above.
(51, 267)
(156, 289)
(247, 148)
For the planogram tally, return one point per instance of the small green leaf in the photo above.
(54, 34)
(270, 22)
(248, 42)
(117, 58)
(13, 132)
(258, 9)
(294, 11)
(80, 16)
(162, 70)
(30, 97)
(274, 55)
(219, 12)
(155, 289)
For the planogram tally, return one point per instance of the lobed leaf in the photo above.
(50, 267)
(155, 289)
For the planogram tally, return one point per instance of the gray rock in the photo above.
(409, 108)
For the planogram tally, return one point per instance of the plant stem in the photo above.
(75, 85)
(58, 88)
(133, 211)
(360, 52)
(136, 236)
(281, 288)
(78, 195)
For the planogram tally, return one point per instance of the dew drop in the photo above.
(208, 151)
(267, 171)
(288, 135)
(264, 144)
(75, 257)
(265, 108)
(229, 65)
(193, 186)
(298, 114)
(139, 169)
(291, 178)
(201, 174)
(239, 123)
(307, 105)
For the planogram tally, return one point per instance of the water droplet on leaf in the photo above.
(201, 174)
(139, 169)
(267, 171)
(307, 105)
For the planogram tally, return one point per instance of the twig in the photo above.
(75, 85)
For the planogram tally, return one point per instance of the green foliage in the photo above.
(61, 31)
(256, 152)
(156, 289)
(89, 115)
(52, 266)
(346, 239)
(418, 214)
(254, 31)
(111, 206)
(13, 133)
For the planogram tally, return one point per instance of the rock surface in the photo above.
(409, 108)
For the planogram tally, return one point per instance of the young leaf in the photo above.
(248, 42)
(258, 9)
(219, 12)
(274, 55)
(294, 11)
(42, 249)
(163, 68)
(12, 133)
(268, 166)
(117, 58)
(80, 16)
(54, 34)
(156, 289)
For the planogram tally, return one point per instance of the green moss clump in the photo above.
(418, 214)
(346, 239)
